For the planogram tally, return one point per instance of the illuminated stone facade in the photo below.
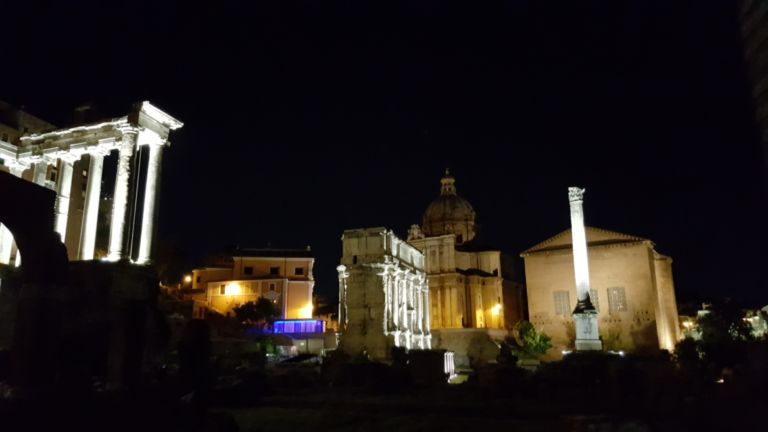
(70, 161)
(383, 294)
(631, 287)
(465, 281)
(283, 276)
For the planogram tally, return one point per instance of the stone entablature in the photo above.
(146, 125)
(383, 294)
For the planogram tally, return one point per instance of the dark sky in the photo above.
(303, 119)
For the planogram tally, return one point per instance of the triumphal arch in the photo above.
(136, 184)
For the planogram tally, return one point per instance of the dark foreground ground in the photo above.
(451, 408)
(458, 408)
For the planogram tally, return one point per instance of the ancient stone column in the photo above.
(343, 275)
(63, 193)
(396, 300)
(91, 207)
(120, 198)
(149, 214)
(6, 238)
(39, 172)
(427, 307)
(585, 315)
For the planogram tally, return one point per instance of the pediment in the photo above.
(595, 237)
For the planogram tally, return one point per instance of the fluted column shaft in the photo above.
(149, 213)
(63, 193)
(120, 198)
(579, 243)
(91, 210)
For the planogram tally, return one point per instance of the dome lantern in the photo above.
(449, 213)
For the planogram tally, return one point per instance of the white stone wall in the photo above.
(383, 294)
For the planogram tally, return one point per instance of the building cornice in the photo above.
(567, 249)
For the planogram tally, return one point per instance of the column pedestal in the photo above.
(587, 336)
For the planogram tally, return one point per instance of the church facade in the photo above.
(631, 287)
(465, 280)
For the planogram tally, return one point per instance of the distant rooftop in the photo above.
(273, 252)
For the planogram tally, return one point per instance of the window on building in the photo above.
(248, 270)
(354, 259)
(274, 270)
(271, 287)
(222, 289)
(594, 299)
(197, 279)
(85, 173)
(617, 300)
(562, 303)
(53, 175)
(298, 271)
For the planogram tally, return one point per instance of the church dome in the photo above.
(449, 213)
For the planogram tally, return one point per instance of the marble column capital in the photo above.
(129, 138)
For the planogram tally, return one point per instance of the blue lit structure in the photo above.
(298, 326)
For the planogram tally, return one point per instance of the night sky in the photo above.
(305, 119)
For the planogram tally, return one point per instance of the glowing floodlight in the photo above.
(306, 311)
(496, 309)
(232, 289)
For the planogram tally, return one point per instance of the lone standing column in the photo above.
(585, 315)
(63, 192)
(120, 199)
(149, 214)
(92, 202)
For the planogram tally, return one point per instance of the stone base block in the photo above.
(589, 345)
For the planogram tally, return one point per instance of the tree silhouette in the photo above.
(258, 313)
(525, 342)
